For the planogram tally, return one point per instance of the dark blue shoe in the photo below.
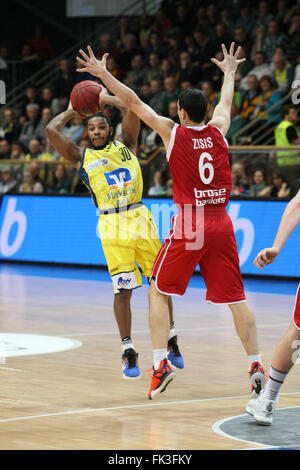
(131, 369)
(174, 355)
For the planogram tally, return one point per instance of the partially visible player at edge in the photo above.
(199, 163)
(111, 171)
(285, 355)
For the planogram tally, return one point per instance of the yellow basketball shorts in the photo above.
(129, 239)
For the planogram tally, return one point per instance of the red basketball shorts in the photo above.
(217, 257)
(297, 309)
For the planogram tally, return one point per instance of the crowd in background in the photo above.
(158, 57)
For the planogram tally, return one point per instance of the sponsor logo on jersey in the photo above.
(97, 163)
(118, 178)
(124, 282)
(217, 196)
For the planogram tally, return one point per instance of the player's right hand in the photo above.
(265, 256)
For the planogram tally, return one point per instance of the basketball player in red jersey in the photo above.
(287, 351)
(202, 232)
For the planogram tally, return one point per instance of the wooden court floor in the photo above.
(77, 399)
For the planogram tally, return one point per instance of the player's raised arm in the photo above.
(229, 65)
(65, 147)
(161, 125)
(288, 223)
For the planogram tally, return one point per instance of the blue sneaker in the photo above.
(174, 355)
(131, 369)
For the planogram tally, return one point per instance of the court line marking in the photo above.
(124, 407)
(216, 427)
(204, 328)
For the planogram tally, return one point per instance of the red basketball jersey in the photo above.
(199, 163)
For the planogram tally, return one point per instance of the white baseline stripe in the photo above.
(126, 407)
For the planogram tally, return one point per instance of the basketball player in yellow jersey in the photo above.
(111, 171)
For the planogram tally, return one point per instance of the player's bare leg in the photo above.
(285, 356)
(159, 318)
(122, 311)
(174, 355)
(245, 325)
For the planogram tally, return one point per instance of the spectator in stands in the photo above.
(48, 100)
(293, 41)
(264, 15)
(261, 68)
(174, 47)
(283, 74)
(35, 150)
(114, 69)
(8, 183)
(242, 39)
(107, 46)
(28, 129)
(162, 23)
(236, 124)
(61, 184)
(128, 51)
(30, 61)
(75, 129)
(144, 28)
(157, 93)
(145, 93)
(259, 40)
(5, 149)
(171, 94)
(237, 188)
(166, 69)
(212, 97)
(30, 98)
(288, 135)
(244, 68)
(246, 20)
(273, 39)
(238, 167)
(279, 187)
(250, 97)
(203, 50)
(17, 151)
(64, 83)
(173, 112)
(158, 189)
(187, 71)
(281, 13)
(40, 133)
(156, 46)
(259, 183)
(150, 141)
(153, 72)
(28, 184)
(211, 19)
(10, 129)
(38, 172)
(41, 45)
(267, 98)
(136, 77)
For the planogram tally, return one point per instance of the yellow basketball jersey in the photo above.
(113, 176)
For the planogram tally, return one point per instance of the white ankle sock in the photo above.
(158, 356)
(273, 385)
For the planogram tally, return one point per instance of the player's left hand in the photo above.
(91, 64)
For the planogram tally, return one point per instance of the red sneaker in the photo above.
(161, 378)
(258, 378)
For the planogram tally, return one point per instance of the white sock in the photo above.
(273, 385)
(254, 358)
(127, 343)
(158, 356)
(172, 330)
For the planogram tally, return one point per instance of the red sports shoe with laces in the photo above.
(161, 378)
(258, 378)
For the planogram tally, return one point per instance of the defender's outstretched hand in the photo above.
(90, 63)
(265, 256)
(230, 62)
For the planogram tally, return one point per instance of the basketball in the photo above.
(85, 97)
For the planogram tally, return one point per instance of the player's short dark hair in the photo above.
(194, 102)
(100, 115)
